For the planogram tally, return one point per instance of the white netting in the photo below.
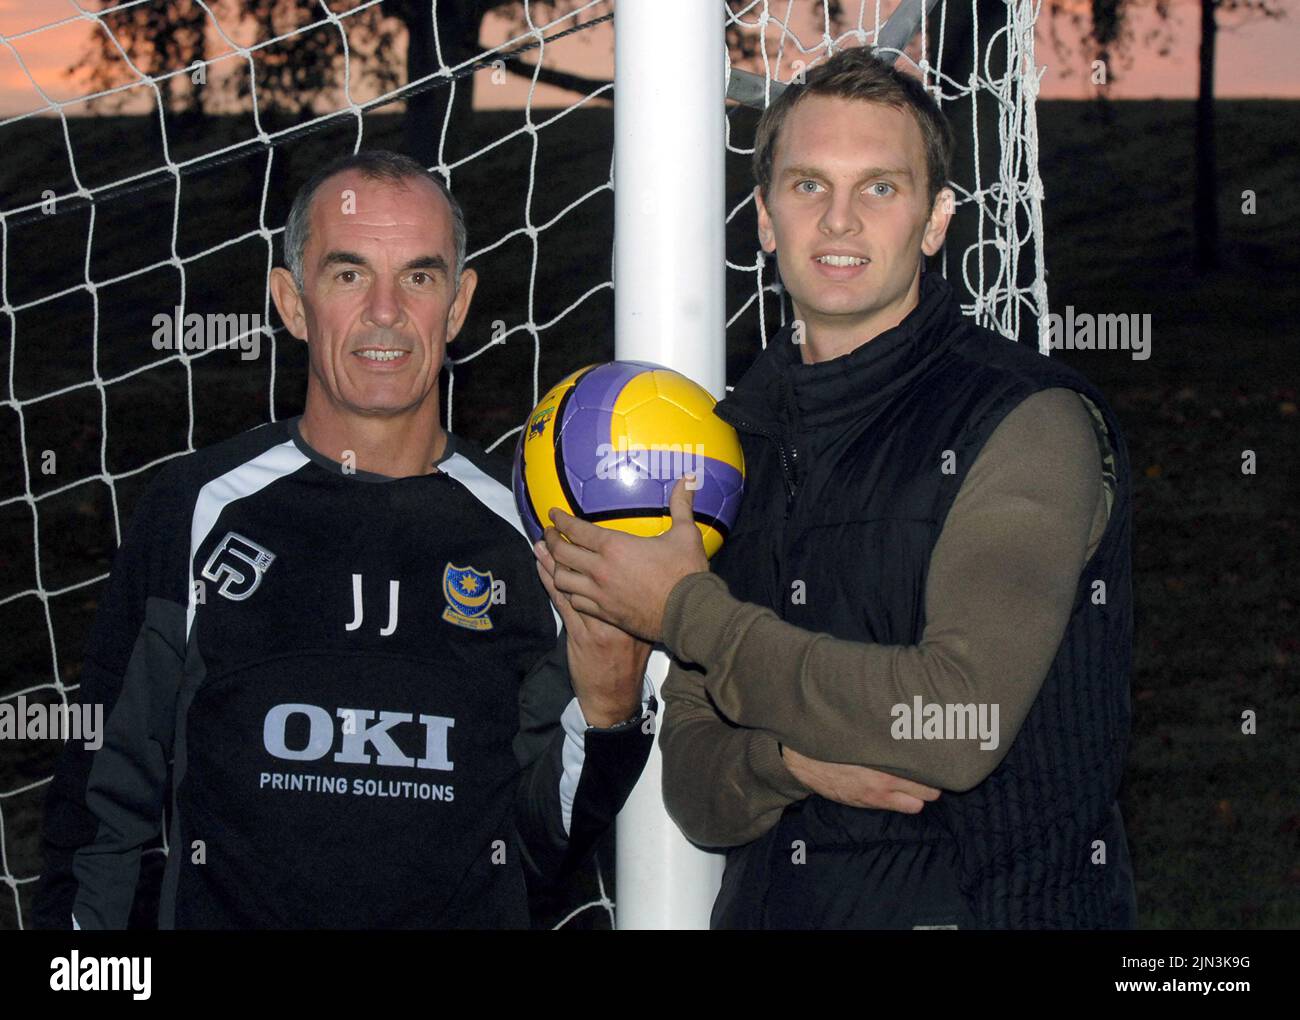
(85, 383)
(999, 71)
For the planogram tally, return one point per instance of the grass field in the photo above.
(1213, 814)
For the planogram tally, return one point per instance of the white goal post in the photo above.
(669, 257)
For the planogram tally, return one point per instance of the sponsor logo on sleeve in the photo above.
(238, 563)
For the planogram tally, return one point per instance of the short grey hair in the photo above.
(373, 165)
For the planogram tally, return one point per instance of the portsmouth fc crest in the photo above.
(469, 596)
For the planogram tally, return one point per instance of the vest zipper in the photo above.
(786, 473)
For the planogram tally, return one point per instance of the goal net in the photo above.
(126, 199)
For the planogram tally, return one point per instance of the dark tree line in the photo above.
(1110, 35)
(173, 38)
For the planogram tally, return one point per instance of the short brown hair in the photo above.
(857, 73)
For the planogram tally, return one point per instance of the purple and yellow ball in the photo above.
(607, 443)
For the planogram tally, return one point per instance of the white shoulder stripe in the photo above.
(492, 494)
(250, 477)
(487, 490)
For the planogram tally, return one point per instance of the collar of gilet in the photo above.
(781, 394)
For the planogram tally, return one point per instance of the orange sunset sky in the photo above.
(1257, 57)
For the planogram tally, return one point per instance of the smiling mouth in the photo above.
(841, 261)
(372, 354)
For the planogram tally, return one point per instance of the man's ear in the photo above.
(288, 302)
(460, 305)
(940, 216)
(766, 233)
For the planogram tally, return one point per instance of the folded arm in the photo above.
(724, 785)
(1002, 580)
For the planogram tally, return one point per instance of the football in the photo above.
(608, 442)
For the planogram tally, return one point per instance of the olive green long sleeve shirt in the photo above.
(1000, 588)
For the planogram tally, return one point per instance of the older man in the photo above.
(332, 632)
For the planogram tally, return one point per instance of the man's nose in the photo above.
(841, 213)
(383, 304)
